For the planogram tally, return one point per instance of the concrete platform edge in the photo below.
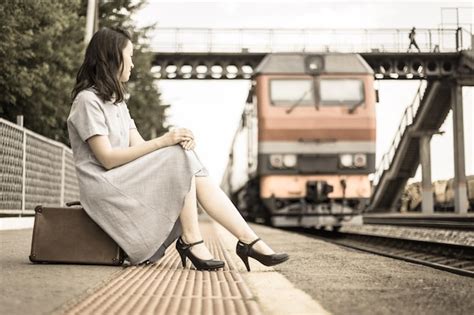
(16, 223)
(275, 294)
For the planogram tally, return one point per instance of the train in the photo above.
(305, 146)
(443, 195)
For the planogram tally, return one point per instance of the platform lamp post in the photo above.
(90, 20)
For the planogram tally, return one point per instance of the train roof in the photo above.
(297, 63)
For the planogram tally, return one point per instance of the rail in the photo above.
(178, 40)
(33, 170)
(455, 258)
(447, 221)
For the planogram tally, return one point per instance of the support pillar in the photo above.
(426, 185)
(460, 192)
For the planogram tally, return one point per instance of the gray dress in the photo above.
(136, 203)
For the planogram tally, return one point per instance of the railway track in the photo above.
(453, 258)
(439, 220)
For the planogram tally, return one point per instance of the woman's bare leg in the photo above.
(220, 208)
(190, 225)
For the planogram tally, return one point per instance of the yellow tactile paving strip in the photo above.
(166, 288)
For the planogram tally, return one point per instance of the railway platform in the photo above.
(319, 278)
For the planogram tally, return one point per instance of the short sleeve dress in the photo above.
(137, 203)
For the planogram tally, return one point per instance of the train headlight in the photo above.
(289, 160)
(276, 160)
(346, 160)
(360, 160)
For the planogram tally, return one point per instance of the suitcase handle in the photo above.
(73, 203)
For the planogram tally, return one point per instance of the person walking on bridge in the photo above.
(411, 36)
(144, 193)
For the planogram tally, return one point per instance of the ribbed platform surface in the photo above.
(166, 288)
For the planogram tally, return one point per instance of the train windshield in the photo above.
(341, 92)
(287, 92)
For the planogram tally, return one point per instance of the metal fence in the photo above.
(33, 170)
(306, 40)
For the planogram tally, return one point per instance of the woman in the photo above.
(144, 193)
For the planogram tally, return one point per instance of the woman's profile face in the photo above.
(127, 54)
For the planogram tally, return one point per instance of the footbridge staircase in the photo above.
(410, 147)
(423, 117)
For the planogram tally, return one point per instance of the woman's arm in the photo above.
(135, 137)
(112, 157)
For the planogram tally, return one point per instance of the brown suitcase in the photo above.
(69, 235)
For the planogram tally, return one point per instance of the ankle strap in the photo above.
(195, 243)
(251, 243)
(190, 245)
(254, 241)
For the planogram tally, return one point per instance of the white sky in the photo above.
(211, 109)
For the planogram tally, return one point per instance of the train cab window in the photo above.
(286, 92)
(341, 92)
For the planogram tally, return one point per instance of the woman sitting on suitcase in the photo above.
(144, 193)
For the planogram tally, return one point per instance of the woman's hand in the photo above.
(188, 144)
(178, 135)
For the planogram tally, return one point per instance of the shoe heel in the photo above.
(245, 260)
(183, 259)
(200, 264)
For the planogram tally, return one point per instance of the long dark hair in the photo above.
(102, 62)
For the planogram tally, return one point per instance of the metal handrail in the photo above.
(407, 119)
(311, 39)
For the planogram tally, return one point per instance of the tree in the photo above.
(41, 49)
(39, 41)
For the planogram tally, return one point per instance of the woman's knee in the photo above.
(177, 156)
(176, 151)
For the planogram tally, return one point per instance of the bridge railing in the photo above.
(407, 119)
(33, 170)
(297, 40)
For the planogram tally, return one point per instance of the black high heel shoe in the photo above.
(200, 264)
(244, 251)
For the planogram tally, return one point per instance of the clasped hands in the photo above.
(183, 136)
